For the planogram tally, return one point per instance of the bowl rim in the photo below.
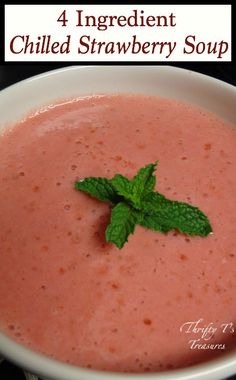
(51, 368)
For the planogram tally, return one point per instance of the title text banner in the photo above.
(108, 33)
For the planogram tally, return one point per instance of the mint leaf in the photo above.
(123, 221)
(121, 185)
(133, 190)
(97, 187)
(162, 214)
(152, 222)
(144, 182)
(135, 202)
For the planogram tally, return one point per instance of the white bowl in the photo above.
(22, 98)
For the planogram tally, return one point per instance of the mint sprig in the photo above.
(135, 202)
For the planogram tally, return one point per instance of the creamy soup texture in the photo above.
(163, 301)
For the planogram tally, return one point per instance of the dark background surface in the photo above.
(11, 372)
(12, 73)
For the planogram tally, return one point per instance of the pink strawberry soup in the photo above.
(164, 300)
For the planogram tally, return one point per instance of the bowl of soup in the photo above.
(74, 306)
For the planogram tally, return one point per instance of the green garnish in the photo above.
(135, 202)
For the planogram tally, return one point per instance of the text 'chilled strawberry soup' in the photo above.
(164, 300)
